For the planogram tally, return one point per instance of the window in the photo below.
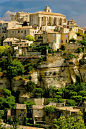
(53, 41)
(53, 35)
(18, 31)
(22, 110)
(76, 30)
(13, 32)
(66, 36)
(25, 32)
(67, 115)
(66, 41)
(21, 31)
(39, 113)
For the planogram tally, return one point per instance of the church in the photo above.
(48, 18)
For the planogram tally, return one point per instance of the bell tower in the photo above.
(47, 9)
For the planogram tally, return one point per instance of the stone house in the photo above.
(22, 16)
(5, 25)
(38, 114)
(21, 32)
(19, 112)
(53, 38)
(10, 41)
(67, 111)
(65, 37)
(71, 24)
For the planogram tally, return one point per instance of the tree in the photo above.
(1, 113)
(30, 38)
(70, 102)
(30, 87)
(69, 122)
(15, 69)
(63, 47)
(49, 109)
(72, 40)
(29, 109)
(2, 48)
(39, 91)
(9, 57)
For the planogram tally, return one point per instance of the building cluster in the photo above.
(53, 28)
(39, 114)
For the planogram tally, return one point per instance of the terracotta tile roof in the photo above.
(49, 13)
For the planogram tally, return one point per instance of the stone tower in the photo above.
(47, 9)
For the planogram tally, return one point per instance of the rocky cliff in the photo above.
(61, 72)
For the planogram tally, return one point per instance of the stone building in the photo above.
(5, 25)
(21, 32)
(19, 112)
(22, 16)
(10, 41)
(53, 38)
(38, 113)
(71, 24)
(46, 17)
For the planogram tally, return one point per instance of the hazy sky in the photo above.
(73, 9)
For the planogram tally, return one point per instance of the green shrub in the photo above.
(60, 100)
(82, 61)
(72, 40)
(59, 93)
(77, 98)
(83, 98)
(63, 47)
(49, 100)
(49, 109)
(58, 96)
(73, 93)
(0, 69)
(82, 93)
(70, 102)
(80, 49)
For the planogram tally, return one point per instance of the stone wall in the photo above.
(73, 45)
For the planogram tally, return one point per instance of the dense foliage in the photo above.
(15, 69)
(30, 38)
(69, 122)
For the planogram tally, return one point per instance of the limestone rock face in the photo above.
(4, 83)
(60, 73)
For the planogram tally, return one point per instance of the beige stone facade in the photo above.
(19, 112)
(46, 17)
(53, 38)
(10, 41)
(5, 25)
(38, 113)
(20, 17)
(21, 32)
(71, 24)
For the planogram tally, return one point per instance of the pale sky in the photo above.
(72, 9)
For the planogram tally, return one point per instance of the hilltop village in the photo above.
(42, 72)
